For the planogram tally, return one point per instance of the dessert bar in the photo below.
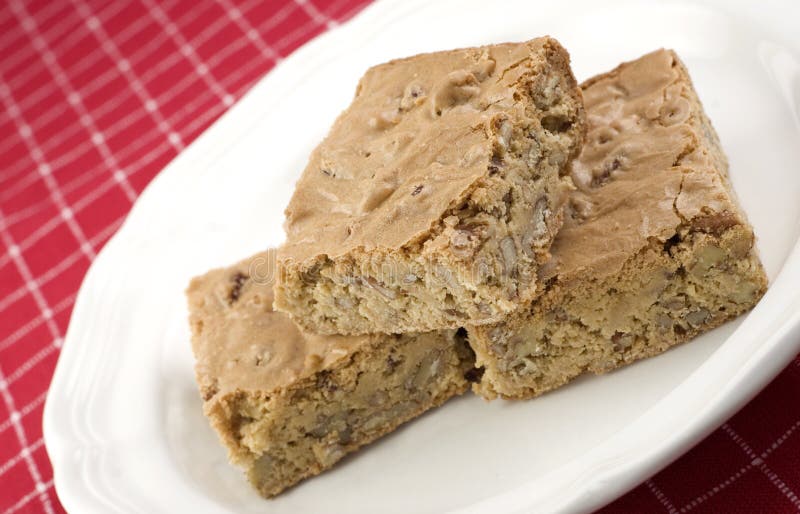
(287, 404)
(436, 194)
(655, 248)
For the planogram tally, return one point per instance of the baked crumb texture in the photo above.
(654, 251)
(288, 405)
(436, 194)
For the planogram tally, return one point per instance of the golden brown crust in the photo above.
(443, 163)
(655, 248)
(242, 344)
(288, 404)
(416, 121)
(651, 161)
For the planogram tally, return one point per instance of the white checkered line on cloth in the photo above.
(63, 80)
(135, 58)
(28, 52)
(121, 124)
(295, 34)
(714, 490)
(196, 123)
(337, 5)
(13, 461)
(145, 159)
(46, 315)
(66, 23)
(31, 25)
(65, 303)
(24, 411)
(95, 193)
(48, 89)
(15, 417)
(316, 15)
(54, 271)
(39, 356)
(27, 328)
(660, 496)
(150, 104)
(29, 140)
(124, 66)
(189, 52)
(757, 461)
(41, 489)
(95, 55)
(27, 276)
(235, 14)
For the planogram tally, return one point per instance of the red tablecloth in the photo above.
(97, 96)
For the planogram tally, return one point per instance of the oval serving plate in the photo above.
(123, 423)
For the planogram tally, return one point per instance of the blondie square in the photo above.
(655, 248)
(287, 404)
(436, 194)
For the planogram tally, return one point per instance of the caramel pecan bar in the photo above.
(655, 248)
(437, 193)
(288, 404)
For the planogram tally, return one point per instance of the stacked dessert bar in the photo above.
(475, 219)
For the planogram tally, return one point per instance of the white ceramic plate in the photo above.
(123, 422)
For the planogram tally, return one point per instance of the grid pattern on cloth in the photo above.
(97, 96)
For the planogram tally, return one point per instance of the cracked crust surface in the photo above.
(654, 250)
(436, 194)
(651, 161)
(289, 404)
